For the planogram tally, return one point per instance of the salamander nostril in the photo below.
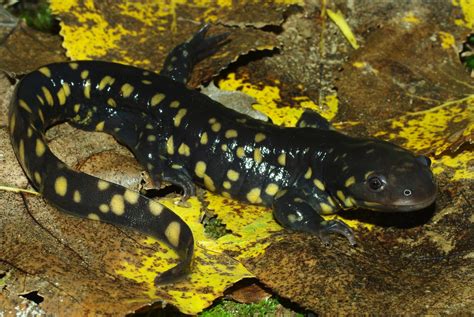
(407, 192)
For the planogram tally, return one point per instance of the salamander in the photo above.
(183, 137)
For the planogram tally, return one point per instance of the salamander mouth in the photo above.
(417, 206)
(400, 207)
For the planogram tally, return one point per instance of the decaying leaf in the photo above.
(24, 50)
(139, 33)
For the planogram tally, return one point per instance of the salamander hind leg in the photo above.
(180, 62)
(179, 176)
(294, 213)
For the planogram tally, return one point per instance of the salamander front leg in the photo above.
(312, 119)
(293, 212)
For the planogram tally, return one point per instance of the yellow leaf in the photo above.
(342, 24)
(212, 272)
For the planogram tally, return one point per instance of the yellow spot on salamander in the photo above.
(371, 203)
(200, 169)
(179, 116)
(60, 186)
(45, 71)
(77, 107)
(224, 147)
(350, 181)
(253, 196)
(74, 66)
(212, 121)
(93, 217)
(331, 201)
(156, 99)
(63, 93)
(271, 189)
(216, 127)
(280, 194)
(21, 151)
(368, 174)
(226, 184)
(231, 134)
(292, 218)
(47, 96)
(107, 80)
(340, 195)
(325, 208)
(282, 159)
(155, 208)
(319, 184)
(204, 138)
(12, 123)
(226, 195)
(172, 233)
(40, 148)
(308, 173)
(146, 82)
(174, 104)
(111, 102)
(209, 183)
(100, 126)
(259, 137)
(76, 196)
(257, 156)
(117, 205)
(151, 138)
(84, 74)
(233, 175)
(131, 196)
(170, 146)
(149, 126)
(29, 132)
(126, 90)
(87, 89)
(104, 208)
(40, 115)
(37, 178)
(240, 152)
(349, 202)
(40, 100)
(102, 185)
(24, 105)
(184, 150)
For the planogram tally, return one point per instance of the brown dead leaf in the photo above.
(407, 64)
(25, 49)
(249, 293)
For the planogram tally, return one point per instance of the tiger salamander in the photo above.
(183, 137)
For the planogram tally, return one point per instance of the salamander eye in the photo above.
(376, 183)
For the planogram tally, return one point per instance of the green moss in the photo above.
(214, 228)
(37, 15)
(228, 308)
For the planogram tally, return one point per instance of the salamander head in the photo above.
(381, 176)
